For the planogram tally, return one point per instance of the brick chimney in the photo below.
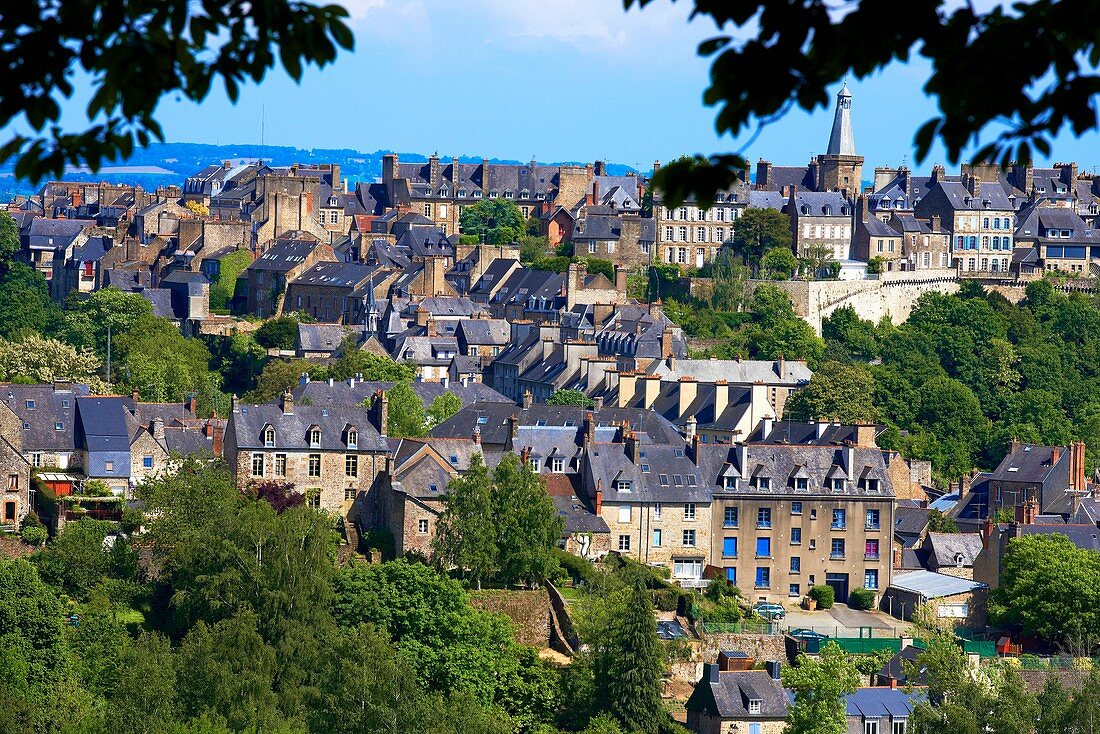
(632, 451)
(135, 395)
(217, 434)
(157, 428)
(987, 531)
(528, 399)
(286, 403)
(477, 435)
(666, 343)
(380, 411)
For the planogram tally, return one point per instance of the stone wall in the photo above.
(529, 612)
(891, 294)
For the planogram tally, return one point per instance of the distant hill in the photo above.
(170, 163)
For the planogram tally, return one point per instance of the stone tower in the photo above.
(840, 167)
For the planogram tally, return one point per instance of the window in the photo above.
(840, 485)
(13, 482)
(624, 542)
(836, 549)
(108, 466)
(796, 536)
(796, 508)
(840, 519)
(874, 521)
(30, 405)
(314, 437)
(147, 462)
(663, 479)
(353, 439)
(656, 537)
(280, 465)
(257, 465)
(427, 210)
(59, 426)
(729, 547)
(801, 483)
(870, 578)
(796, 564)
(871, 726)
(764, 483)
(754, 728)
(764, 517)
(687, 569)
(729, 519)
(314, 465)
(313, 498)
(763, 547)
(534, 465)
(269, 437)
(624, 513)
(689, 511)
(657, 511)
(36, 459)
(754, 705)
(592, 247)
(351, 465)
(898, 727)
(795, 590)
(871, 549)
(621, 485)
(763, 577)
(688, 539)
(422, 526)
(557, 465)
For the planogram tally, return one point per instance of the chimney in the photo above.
(774, 668)
(666, 343)
(620, 278)
(303, 379)
(286, 403)
(687, 389)
(721, 398)
(422, 317)
(525, 455)
(652, 386)
(987, 531)
(935, 223)
(632, 451)
(430, 326)
(597, 403)
(217, 433)
(938, 174)
(380, 412)
(513, 427)
(820, 427)
(628, 385)
(711, 672)
(763, 174)
(691, 432)
(157, 428)
(768, 423)
(780, 366)
(527, 399)
(865, 435)
(1031, 509)
(477, 435)
(1077, 481)
(1055, 455)
(599, 502)
(974, 185)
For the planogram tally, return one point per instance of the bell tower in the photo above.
(841, 168)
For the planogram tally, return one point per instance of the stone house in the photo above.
(324, 290)
(978, 214)
(15, 474)
(879, 710)
(952, 554)
(820, 219)
(80, 266)
(690, 235)
(331, 454)
(1063, 241)
(727, 701)
(269, 274)
(625, 238)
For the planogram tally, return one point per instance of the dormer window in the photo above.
(314, 437)
(269, 437)
(353, 438)
(507, 194)
(443, 192)
(477, 194)
(534, 465)
(801, 483)
(462, 193)
(623, 485)
(557, 465)
(333, 201)
(754, 705)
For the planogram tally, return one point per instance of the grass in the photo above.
(569, 593)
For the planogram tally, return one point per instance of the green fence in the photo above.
(865, 645)
(984, 648)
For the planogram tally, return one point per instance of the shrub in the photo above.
(34, 535)
(577, 568)
(861, 599)
(823, 595)
(666, 600)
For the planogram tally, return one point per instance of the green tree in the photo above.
(78, 560)
(727, 281)
(443, 408)
(9, 238)
(352, 361)
(154, 358)
(778, 263)
(406, 412)
(25, 304)
(527, 524)
(836, 392)
(819, 688)
(628, 666)
(495, 221)
(143, 700)
(34, 650)
(570, 397)
(1051, 588)
(190, 49)
(280, 333)
(465, 537)
(941, 523)
(815, 259)
(758, 231)
(87, 321)
(41, 360)
(280, 375)
(231, 267)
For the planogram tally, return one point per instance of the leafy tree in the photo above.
(836, 392)
(78, 559)
(570, 397)
(25, 304)
(154, 358)
(182, 51)
(352, 361)
(280, 333)
(819, 688)
(815, 259)
(406, 412)
(806, 49)
(757, 232)
(464, 535)
(9, 238)
(727, 281)
(30, 615)
(778, 263)
(280, 375)
(1051, 588)
(38, 359)
(941, 523)
(527, 524)
(88, 320)
(496, 221)
(859, 337)
(628, 666)
(532, 248)
(230, 269)
(144, 697)
(443, 408)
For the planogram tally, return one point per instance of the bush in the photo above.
(823, 595)
(861, 599)
(34, 535)
(579, 569)
(666, 600)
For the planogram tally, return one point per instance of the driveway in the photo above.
(840, 621)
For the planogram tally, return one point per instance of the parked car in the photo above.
(769, 611)
(802, 633)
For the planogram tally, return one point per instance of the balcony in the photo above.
(836, 556)
(839, 526)
(871, 556)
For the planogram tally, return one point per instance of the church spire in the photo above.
(841, 141)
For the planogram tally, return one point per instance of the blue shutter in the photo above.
(729, 547)
(763, 546)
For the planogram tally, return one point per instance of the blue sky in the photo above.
(559, 80)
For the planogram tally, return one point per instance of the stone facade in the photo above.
(655, 533)
(701, 723)
(690, 236)
(15, 476)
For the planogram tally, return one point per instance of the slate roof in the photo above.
(284, 255)
(767, 200)
(932, 585)
(729, 696)
(823, 203)
(909, 522)
(161, 300)
(54, 233)
(671, 475)
(959, 197)
(490, 332)
(342, 393)
(50, 407)
(336, 274)
(292, 429)
(791, 372)
(92, 250)
(879, 703)
(1027, 463)
(102, 425)
(947, 547)
(322, 337)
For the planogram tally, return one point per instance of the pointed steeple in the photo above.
(841, 141)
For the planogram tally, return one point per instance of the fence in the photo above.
(861, 645)
(739, 628)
